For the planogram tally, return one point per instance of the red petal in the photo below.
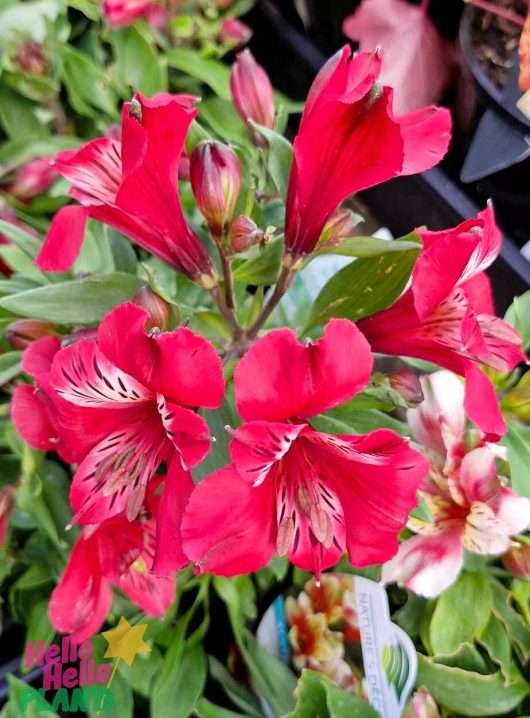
(229, 527)
(438, 270)
(187, 431)
(280, 378)
(375, 477)
(32, 414)
(64, 240)
(81, 601)
(178, 486)
(481, 403)
(181, 365)
(426, 135)
(38, 357)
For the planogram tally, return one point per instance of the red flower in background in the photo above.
(7, 501)
(132, 186)
(349, 140)
(121, 13)
(447, 316)
(117, 552)
(33, 178)
(290, 488)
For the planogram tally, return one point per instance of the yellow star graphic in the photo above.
(126, 641)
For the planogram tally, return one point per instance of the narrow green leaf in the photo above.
(9, 366)
(212, 72)
(370, 246)
(364, 287)
(518, 315)
(25, 241)
(80, 301)
(181, 694)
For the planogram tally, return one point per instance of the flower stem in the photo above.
(499, 11)
(282, 285)
(227, 312)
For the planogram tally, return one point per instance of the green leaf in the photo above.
(39, 627)
(468, 693)
(518, 449)
(222, 117)
(370, 246)
(517, 629)
(79, 301)
(123, 254)
(212, 72)
(462, 613)
(89, 91)
(235, 691)
(25, 241)
(138, 65)
(217, 421)
(9, 366)
(518, 315)
(29, 18)
(495, 640)
(319, 697)
(466, 657)
(262, 269)
(364, 287)
(180, 695)
(17, 114)
(279, 157)
(25, 146)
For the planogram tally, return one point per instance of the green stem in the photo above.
(282, 285)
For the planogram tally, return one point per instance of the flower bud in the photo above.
(252, 93)
(234, 32)
(30, 58)
(245, 234)
(22, 332)
(33, 178)
(422, 705)
(407, 385)
(339, 226)
(157, 308)
(215, 174)
(517, 560)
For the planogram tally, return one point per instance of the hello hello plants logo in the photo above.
(73, 676)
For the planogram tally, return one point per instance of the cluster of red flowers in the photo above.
(123, 402)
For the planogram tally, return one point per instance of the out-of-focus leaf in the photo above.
(179, 696)
(236, 692)
(9, 366)
(79, 301)
(516, 442)
(518, 315)
(378, 282)
(138, 65)
(17, 114)
(516, 627)
(213, 73)
(87, 86)
(29, 18)
(25, 702)
(468, 693)
(24, 240)
(462, 613)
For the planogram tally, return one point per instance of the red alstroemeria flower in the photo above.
(125, 403)
(349, 140)
(447, 316)
(7, 501)
(293, 489)
(472, 509)
(132, 186)
(117, 552)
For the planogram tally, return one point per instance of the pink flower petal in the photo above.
(478, 477)
(280, 378)
(229, 526)
(514, 512)
(83, 375)
(38, 357)
(426, 135)
(32, 414)
(427, 565)
(187, 431)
